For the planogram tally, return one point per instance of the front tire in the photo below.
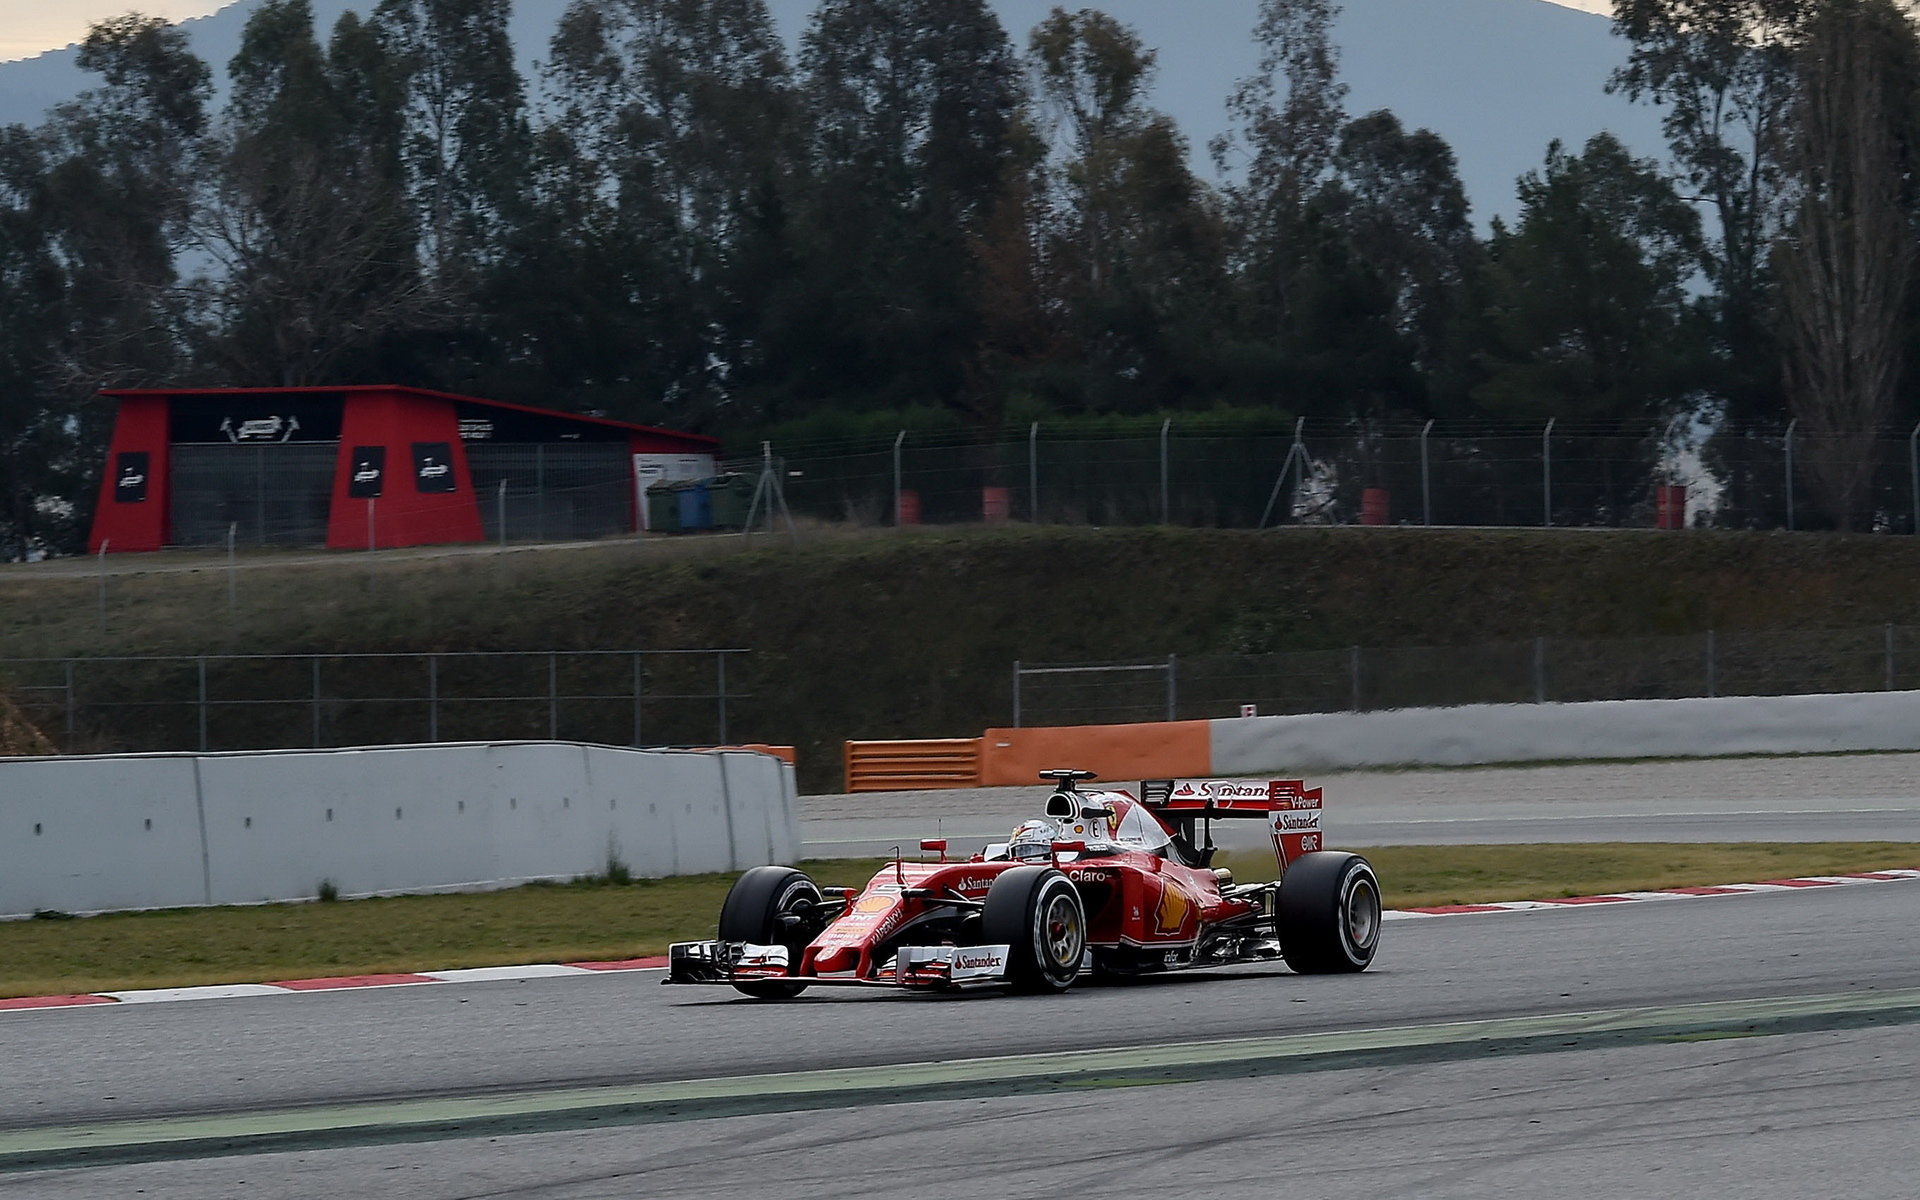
(1328, 911)
(759, 908)
(1036, 911)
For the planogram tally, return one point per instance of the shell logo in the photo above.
(1171, 916)
(872, 906)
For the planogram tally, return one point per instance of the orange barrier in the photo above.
(907, 766)
(1159, 750)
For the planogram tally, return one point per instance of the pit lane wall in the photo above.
(1494, 733)
(97, 834)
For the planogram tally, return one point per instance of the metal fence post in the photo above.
(1712, 666)
(1166, 509)
(1889, 656)
(70, 707)
(101, 558)
(636, 694)
(1426, 480)
(553, 696)
(233, 533)
(203, 703)
(1033, 473)
(433, 697)
(1913, 472)
(316, 702)
(1173, 687)
(1353, 664)
(721, 660)
(1016, 693)
(503, 512)
(1540, 670)
(898, 441)
(1546, 474)
(1789, 440)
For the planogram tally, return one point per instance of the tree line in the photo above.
(921, 218)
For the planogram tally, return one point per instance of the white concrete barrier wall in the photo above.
(1543, 732)
(149, 831)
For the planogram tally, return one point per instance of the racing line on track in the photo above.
(552, 970)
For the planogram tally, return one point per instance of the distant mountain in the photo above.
(1498, 79)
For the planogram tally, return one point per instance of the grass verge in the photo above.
(597, 919)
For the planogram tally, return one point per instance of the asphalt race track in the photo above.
(1755, 1045)
(1760, 1045)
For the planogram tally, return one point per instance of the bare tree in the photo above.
(1847, 260)
(306, 271)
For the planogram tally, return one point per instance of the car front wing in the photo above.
(938, 967)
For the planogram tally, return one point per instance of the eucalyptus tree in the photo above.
(1288, 114)
(1588, 316)
(673, 126)
(1394, 200)
(1138, 241)
(308, 225)
(1724, 72)
(98, 201)
(1845, 262)
(124, 163)
(911, 133)
(466, 137)
(33, 326)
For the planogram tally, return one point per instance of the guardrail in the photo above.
(913, 765)
(94, 834)
(1464, 735)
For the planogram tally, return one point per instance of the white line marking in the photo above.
(222, 991)
(488, 974)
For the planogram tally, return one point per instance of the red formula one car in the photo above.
(1108, 883)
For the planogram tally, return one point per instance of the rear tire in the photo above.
(1328, 911)
(1036, 912)
(752, 913)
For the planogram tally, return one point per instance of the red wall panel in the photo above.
(403, 514)
(122, 523)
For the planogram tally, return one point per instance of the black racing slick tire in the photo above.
(1328, 912)
(753, 912)
(1036, 911)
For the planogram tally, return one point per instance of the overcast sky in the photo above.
(29, 27)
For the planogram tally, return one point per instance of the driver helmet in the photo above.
(1032, 839)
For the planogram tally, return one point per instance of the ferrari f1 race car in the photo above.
(1107, 883)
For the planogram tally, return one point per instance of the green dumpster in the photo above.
(663, 508)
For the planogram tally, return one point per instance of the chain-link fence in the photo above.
(1549, 475)
(292, 701)
(1536, 671)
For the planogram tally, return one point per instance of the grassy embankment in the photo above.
(886, 633)
(590, 921)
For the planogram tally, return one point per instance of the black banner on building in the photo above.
(433, 467)
(130, 477)
(369, 471)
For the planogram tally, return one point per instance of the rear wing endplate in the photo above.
(1290, 808)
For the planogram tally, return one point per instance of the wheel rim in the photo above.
(1061, 937)
(1362, 914)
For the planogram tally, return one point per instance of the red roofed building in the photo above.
(372, 467)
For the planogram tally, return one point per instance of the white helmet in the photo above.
(1032, 839)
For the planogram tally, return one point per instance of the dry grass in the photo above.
(593, 920)
(882, 633)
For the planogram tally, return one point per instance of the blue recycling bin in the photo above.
(696, 506)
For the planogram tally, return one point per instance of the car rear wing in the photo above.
(1290, 808)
